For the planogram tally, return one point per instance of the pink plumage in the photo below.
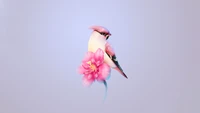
(100, 29)
(109, 50)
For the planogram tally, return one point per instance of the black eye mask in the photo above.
(104, 34)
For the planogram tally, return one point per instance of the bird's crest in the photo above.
(100, 29)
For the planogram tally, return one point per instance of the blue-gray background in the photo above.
(42, 42)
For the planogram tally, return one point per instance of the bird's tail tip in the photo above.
(125, 75)
(121, 71)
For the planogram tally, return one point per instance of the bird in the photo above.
(99, 39)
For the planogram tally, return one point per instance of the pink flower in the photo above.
(93, 67)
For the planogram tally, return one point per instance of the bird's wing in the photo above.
(110, 52)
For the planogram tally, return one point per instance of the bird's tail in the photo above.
(120, 71)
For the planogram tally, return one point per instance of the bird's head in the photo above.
(102, 31)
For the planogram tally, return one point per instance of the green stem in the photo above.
(106, 88)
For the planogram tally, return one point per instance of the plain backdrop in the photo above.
(157, 43)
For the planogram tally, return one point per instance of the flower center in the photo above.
(92, 66)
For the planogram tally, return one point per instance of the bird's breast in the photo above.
(96, 43)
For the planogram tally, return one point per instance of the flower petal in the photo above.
(88, 80)
(85, 65)
(99, 56)
(81, 70)
(104, 72)
(89, 55)
(93, 60)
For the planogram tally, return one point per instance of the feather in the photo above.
(110, 52)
